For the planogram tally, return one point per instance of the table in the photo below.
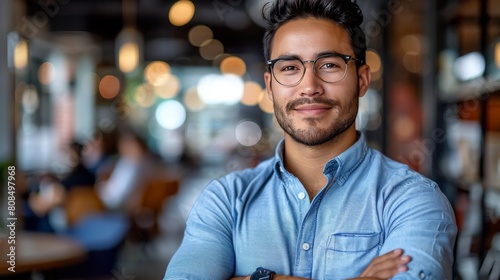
(40, 251)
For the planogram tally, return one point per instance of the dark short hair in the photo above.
(346, 13)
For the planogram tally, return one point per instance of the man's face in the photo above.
(314, 112)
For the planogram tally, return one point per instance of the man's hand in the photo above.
(386, 266)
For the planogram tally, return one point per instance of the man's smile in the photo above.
(312, 109)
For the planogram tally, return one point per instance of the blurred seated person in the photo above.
(51, 192)
(99, 153)
(79, 175)
(136, 165)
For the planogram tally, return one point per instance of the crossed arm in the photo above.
(426, 231)
(382, 267)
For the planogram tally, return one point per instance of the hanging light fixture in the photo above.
(18, 54)
(129, 43)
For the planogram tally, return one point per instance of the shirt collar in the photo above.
(278, 156)
(340, 166)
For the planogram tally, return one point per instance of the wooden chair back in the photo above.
(145, 217)
(80, 202)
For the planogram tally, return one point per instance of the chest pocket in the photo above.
(347, 254)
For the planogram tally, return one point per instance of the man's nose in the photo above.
(310, 84)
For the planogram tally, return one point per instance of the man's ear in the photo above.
(267, 80)
(364, 77)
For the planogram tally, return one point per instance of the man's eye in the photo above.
(289, 68)
(330, 65)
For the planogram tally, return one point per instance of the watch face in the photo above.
(262, 274)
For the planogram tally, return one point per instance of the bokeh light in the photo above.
(412, 46)
(30, 99)
(265, 104)
(144, 95)
(373, 59)
(220, 89)
(251, 93)
(128, 57)
(169, 89)
(375, 63)
(181, 12)
(411, 43)
(233, 65)
(210, 49)
(157, 73)
(21, 55)
(109, 86)
(469, 66)
(497, 54)
(192, 101)
(170, 114)
(219, 58)
(404, 128)
(412, 62)
(199, 34)
(248, 133)
(46, 73)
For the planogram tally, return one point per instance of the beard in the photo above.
(314, 135)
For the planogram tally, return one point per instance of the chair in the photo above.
(145, 216)
(80, 202)
(98, 230)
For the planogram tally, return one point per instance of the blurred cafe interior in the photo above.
(158, 97)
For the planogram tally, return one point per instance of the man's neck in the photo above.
(307, 162)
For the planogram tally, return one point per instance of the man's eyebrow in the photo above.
(328, 53)
(292, 56)
(288, 57)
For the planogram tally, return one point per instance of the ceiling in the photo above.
(229, 20)
(233, 22)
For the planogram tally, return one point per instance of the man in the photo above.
(326, 206)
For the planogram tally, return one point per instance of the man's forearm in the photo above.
(282, 277)
(382, 267)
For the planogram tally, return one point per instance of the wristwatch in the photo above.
(262, 274)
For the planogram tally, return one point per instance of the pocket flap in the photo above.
(353, 242)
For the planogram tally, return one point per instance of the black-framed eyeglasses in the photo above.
(330, 68)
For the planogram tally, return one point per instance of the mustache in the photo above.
(316, 100)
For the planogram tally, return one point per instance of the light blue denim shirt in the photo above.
(264, 217)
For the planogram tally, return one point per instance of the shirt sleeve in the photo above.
(206, 251)
(419, 219)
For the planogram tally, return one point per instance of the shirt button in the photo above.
(306, 246)
(422, 275)
(301, 195)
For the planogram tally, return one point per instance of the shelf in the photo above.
(470, 91)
